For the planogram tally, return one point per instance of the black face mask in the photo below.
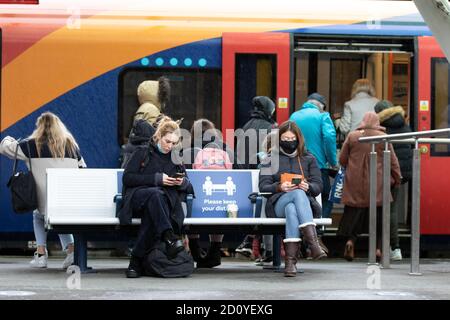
(289, 146)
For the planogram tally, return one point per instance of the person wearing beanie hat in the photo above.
(393, 119)
(261, 120)
(382, 105)
(320, 139)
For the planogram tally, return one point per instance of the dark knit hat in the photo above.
(264, 104)
(318, 97)
(382, 105)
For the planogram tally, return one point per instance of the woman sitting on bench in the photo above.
(291, 175)
(154, 186)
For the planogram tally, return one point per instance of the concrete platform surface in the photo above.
(234, 279)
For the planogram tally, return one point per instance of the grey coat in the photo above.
(354, 111)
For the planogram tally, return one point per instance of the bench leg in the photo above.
(80, 256)
(276, 263)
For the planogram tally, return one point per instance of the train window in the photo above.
(256, 75)
(440, 101)
(195, 93)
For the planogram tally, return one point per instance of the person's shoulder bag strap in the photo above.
(29, 155)
(301, 168)
(15, 159)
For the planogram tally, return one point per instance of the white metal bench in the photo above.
(82, 201)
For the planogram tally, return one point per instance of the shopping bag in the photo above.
(337, 187)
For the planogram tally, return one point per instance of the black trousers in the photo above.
(355, 221)
(155, 218)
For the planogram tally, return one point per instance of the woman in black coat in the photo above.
(154, 187)
(393, 119)
(292, 199)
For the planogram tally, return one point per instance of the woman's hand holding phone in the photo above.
(174, 180)
(169, 181)
(288, 186)
(303, 186)
(179, 181)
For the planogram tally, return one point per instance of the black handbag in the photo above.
(23, 188)
(157, 264)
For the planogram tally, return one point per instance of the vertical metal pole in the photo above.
(386, 205)
(415, 215)
(373, 206)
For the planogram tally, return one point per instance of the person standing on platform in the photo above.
(393, 118)
(320, 139)
(51, 145)
(363, 100)
(355, 157)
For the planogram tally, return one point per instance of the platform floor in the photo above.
(234, 279)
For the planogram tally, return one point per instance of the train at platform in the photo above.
(83, 61)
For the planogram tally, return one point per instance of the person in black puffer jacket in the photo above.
(393, 119)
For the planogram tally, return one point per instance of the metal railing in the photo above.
(402, 138)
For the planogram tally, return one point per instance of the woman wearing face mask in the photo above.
(291, 199)
(154, 187)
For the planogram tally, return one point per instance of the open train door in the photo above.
(255, 64)
(434, 113)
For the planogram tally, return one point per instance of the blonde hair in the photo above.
(363, 85)
(51, 130)
(166, 125)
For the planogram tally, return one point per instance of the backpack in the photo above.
(212, 158)
(140, 134)
(157, 264)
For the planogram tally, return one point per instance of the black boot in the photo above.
(213, 257)
(173, 244)
(197, 252)
(134, 268)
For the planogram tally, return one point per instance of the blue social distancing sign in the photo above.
(216, 189)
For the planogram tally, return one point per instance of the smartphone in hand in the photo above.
(178, 175)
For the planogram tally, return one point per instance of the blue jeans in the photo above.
(327, 206)
(41, 234)
(295, 207)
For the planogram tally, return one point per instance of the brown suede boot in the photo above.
(310, 237)
(291, 249)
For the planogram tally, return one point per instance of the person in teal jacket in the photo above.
(320, 138)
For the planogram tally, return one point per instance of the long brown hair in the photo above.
(291, 126)
(51, 130)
